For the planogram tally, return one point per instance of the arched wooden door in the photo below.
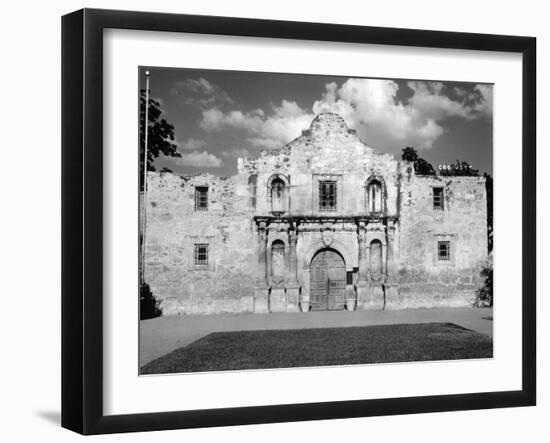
(328, 281)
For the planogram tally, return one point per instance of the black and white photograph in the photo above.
(275, 222)
(272, 222)
(298, 220)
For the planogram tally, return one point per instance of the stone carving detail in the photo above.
(327, 234)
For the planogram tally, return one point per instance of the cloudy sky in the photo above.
(221, 115)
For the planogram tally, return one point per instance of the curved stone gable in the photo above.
(328, 122)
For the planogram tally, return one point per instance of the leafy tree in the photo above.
(409, 154)
(421, 166)
(489, 190)
(148, 304)
(484, 295)
(161, 138)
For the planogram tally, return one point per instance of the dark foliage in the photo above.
(161, 138)
(421, 166)
(489, 189)
(409, 154)
(484, 295)
(148, 304)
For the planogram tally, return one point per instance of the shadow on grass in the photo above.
(221, 351)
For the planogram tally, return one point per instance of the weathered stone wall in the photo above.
(425, 281)
(173, 227)
(327, 150)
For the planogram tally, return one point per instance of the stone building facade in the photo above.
(324, 223)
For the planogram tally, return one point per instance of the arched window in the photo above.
(375, 196)
(278, 192)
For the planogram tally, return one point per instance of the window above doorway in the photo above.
(375, 196)
(327, 195)
(278, 195)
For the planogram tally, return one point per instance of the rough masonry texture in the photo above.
(325, 222)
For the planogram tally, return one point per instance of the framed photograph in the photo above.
(270, 221)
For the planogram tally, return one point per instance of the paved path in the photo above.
(164, 334)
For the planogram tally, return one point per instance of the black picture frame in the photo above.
(82, 220)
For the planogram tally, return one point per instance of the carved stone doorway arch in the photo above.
(327, 280)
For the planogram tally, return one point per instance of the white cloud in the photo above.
(191, 144)
(461, 92)
(237, 152)
(281, 126)
(199, 85)
(215, 119)
(428, 102)
(200, 92)
(198, 159)
(484, 102)
(369, 105)
(265, 142)
(206, 86)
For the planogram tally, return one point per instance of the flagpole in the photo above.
(147, 76)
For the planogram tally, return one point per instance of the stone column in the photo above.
(363, 256)
(261, 292)
(362, 285)
(391, 286)
(384, 258)
(293, 286)
(390, 266)
(262, 256)
(268, 263)
(293, 260)
(305, 295)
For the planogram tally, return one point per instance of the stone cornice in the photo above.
(323, 219)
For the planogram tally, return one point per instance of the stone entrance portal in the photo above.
(328, 281)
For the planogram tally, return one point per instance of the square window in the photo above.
(201, 253)
(444, 250)
(438, 198)
(327, 195)
(201, 198)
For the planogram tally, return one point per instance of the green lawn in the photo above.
(222, 351)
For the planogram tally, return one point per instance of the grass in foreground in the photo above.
(221, 351)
